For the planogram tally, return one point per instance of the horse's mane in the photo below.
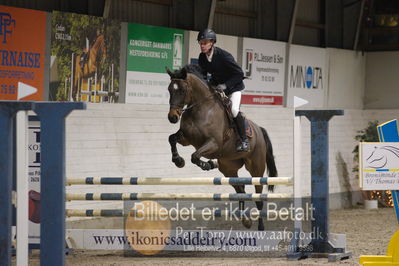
(392, 149)
(195, 69)
(189, 68)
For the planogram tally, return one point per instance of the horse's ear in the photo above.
(183, 73)
(168, 71)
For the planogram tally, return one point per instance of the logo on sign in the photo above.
(249, 59)
(306, 77)
(177, 50)
(385, 157)
(34, 148)
(5, 25)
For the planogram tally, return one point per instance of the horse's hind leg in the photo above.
(230, 169)
(256, 167)
(178, 137)
(259, 205)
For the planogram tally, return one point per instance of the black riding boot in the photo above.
(243, 146)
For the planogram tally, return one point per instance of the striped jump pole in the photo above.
(124, 213)
(180, 181)
(178, 196)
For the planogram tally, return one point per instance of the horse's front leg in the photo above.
(208, 148)
(178, 137)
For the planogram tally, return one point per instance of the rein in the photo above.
(210, 97)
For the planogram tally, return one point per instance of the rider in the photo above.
(227, 75)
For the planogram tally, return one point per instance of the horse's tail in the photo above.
(270, 163)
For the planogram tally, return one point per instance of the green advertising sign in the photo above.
(151, 48)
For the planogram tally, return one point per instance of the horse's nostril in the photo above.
(173, 116)
(173, 119)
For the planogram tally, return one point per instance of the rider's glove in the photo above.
(221, 87)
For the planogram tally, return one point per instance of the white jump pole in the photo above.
(66, 91)
(112, 78)
(79, 94)
(89, 90)
(102, 86)
(297, 164)
(95, 87)
(22, 188)
(72, 71)
(109, 80)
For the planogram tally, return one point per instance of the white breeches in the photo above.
(235, 99)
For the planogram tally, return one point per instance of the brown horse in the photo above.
(96, 56)
(206, 126)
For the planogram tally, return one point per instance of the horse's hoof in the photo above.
(179, 162)
(205, 166)
(213, 164)
(247, 223)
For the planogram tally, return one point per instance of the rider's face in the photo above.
(205, 45)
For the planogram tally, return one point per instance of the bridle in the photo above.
(182, 110)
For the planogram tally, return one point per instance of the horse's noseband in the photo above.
(178, 109)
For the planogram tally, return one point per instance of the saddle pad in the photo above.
(248, 129)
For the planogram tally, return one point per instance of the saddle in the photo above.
(34, 206)
(226, 103)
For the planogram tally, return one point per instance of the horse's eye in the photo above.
(175, 86)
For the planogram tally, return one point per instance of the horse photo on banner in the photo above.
(85, 52)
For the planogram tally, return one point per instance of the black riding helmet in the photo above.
(207, 34)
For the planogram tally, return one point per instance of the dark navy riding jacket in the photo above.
(224, 69)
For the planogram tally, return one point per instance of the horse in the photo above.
(96, 56)
(204, 124)
(384, 157)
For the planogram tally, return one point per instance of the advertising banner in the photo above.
(34, 179)
(22, 45)
(263, 66)
(308, 76)
(85, 53)
(221, 242)
(150, 50)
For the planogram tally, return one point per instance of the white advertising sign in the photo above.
(146, 87)
(379, 165)
(308, 75)
(34, 179)
(263, 65)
